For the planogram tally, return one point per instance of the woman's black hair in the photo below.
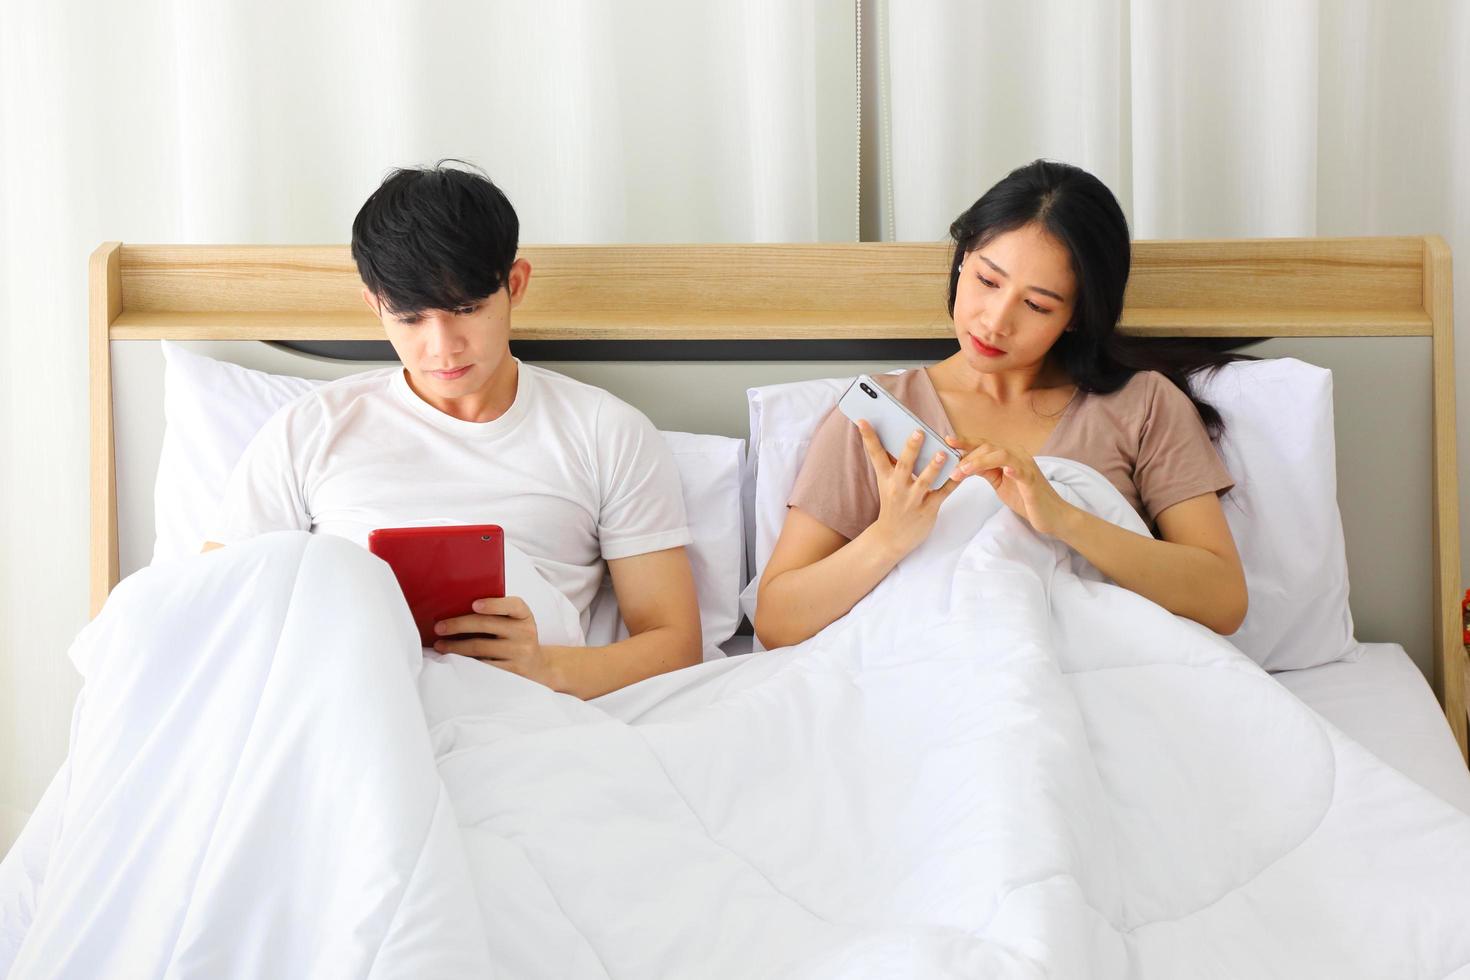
(435, 238)
(1081, 213)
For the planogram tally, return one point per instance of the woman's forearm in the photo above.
(798, 603)
(1185, 580)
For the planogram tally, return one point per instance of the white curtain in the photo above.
(1261, 117)
(239, 121)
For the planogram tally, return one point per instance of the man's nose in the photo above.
(442, 334)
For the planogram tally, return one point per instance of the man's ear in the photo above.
(517, 281)
(372, 302)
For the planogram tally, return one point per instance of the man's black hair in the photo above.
(435, 238)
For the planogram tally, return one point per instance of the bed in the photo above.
(751, 315)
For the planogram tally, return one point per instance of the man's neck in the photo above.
(487, 404)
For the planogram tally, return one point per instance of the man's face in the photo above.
(455, 354)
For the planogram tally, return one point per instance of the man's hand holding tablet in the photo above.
(503, 632)
(443, 570)
(454, 580)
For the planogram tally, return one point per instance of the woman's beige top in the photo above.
(1146, 438)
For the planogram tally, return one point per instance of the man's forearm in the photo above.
(590, 672)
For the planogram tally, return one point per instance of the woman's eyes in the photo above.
(992, 285)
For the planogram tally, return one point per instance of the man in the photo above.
(466, 434)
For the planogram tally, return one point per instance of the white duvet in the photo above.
(997, 766)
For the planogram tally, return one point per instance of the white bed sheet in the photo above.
(1383, 702)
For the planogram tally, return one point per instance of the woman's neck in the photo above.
(1002, 387)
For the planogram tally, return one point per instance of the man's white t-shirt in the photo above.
(572, 474)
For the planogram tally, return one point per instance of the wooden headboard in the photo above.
(1343, 287)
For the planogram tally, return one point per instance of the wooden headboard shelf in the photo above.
(1313, 287)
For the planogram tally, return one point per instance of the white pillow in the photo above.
(1283, 512)
(213, 408)
(710, 469)
(783, 419)
(1280, 446)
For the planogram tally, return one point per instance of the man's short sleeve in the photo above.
(641, 501)
(265, 492)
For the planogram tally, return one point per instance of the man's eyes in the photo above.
(410, 321)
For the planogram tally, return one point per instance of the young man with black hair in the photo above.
(465, 433)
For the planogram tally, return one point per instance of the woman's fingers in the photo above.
(983, 457)
(910, 454)
(872, 446)
(942, 494)
(917, 484)
(930, 473)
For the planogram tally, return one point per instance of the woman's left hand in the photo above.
(1017, 480)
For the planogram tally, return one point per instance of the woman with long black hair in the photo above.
(1035, 291)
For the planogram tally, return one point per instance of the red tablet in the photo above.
(443, 570)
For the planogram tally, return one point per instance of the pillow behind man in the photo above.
(213, 408)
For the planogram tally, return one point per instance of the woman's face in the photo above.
(1015, 296)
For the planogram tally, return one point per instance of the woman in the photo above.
(1035, 292)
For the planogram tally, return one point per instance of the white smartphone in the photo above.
(893, 423)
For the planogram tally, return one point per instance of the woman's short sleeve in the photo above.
(836, 484)
(1176, 459)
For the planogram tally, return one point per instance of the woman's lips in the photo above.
(451, 375)
(985, 349)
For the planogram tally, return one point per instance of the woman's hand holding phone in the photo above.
(907, 508)
(508, 639)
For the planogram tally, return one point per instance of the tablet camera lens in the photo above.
(484, 537)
